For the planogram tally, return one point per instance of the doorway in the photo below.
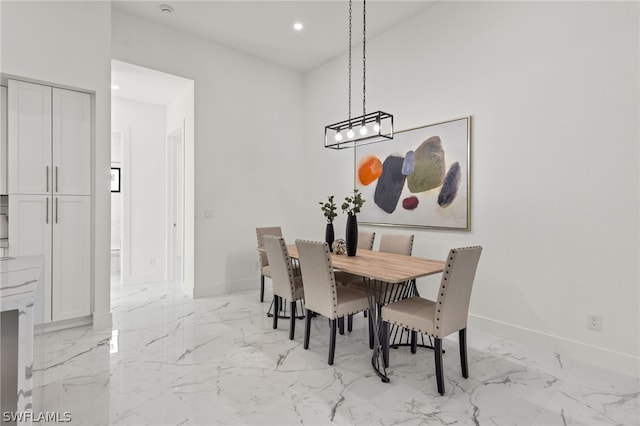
(152, 143)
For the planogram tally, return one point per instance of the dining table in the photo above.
(381, 272)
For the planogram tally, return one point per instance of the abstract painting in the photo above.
(418, 179)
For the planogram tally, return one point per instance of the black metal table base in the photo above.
(295, 263)
(282, 313)
(379, 294)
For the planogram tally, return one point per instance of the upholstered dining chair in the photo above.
(286, 285)
(265, 270)
(365, 241)
(384, 293)
(322, 295)
(439, 318)
(389, 243)
(396, 243)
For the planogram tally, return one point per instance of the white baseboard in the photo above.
(227, 287)
(612, 360)
(102, 321)
(61, 325)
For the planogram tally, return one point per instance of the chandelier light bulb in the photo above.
(350, 133)
(363, 130)
(376, 127)
(338, 136)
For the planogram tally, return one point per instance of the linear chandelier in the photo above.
(368, 128)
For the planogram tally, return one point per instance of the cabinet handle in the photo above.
(47, 173)
(56, 209)
(57, 179)
(46, 209)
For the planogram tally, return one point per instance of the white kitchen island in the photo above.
(19, 279)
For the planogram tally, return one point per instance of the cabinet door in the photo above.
(71, 142)
(71, 289)
(3, 140)
(29, 129)
(30, 218)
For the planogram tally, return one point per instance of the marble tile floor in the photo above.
(171, 360)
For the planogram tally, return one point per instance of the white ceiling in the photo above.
(144, 84)
(265, 28)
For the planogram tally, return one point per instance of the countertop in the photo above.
(18, 280)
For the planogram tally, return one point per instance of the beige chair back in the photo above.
(452, 307)
(365, 240)
(396, 243)
(261, 232)
(281, 270)
(320, 294)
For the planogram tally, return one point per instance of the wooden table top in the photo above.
(387, 267)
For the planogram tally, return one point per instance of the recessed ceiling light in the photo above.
(115, 87)
(166, 9)
(298, 26)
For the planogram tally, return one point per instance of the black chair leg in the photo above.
(437, 352)
(307, 328)
(462, 338)
(414, 341)
(341, 325)
(276, 307)
(332, 340)
(292, 326)
(370, 331)
(385, 343)
(350, 323)
(261, 288)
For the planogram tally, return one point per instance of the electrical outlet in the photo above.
(594, 322)
(208, 214)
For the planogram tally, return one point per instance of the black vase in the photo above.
(329, 235)
(352, 235)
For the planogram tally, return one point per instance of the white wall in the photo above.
(68, 44)
(553, 91)
(143, 188)
(248, 146)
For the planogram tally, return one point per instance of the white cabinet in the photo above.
(3, 140)
(29, 235)
(58, 227)
(71, 251)
(29, 125)
(49, 183)
(71, 148)
(49, 140)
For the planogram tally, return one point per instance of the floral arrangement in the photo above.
(329, 209)
(353, 203)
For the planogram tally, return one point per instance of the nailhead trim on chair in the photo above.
(292, 284)
(333, 279)
(436, 324)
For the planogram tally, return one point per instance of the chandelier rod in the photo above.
(350, 14)
(364, 57)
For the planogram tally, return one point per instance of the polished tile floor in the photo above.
(170, 360)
